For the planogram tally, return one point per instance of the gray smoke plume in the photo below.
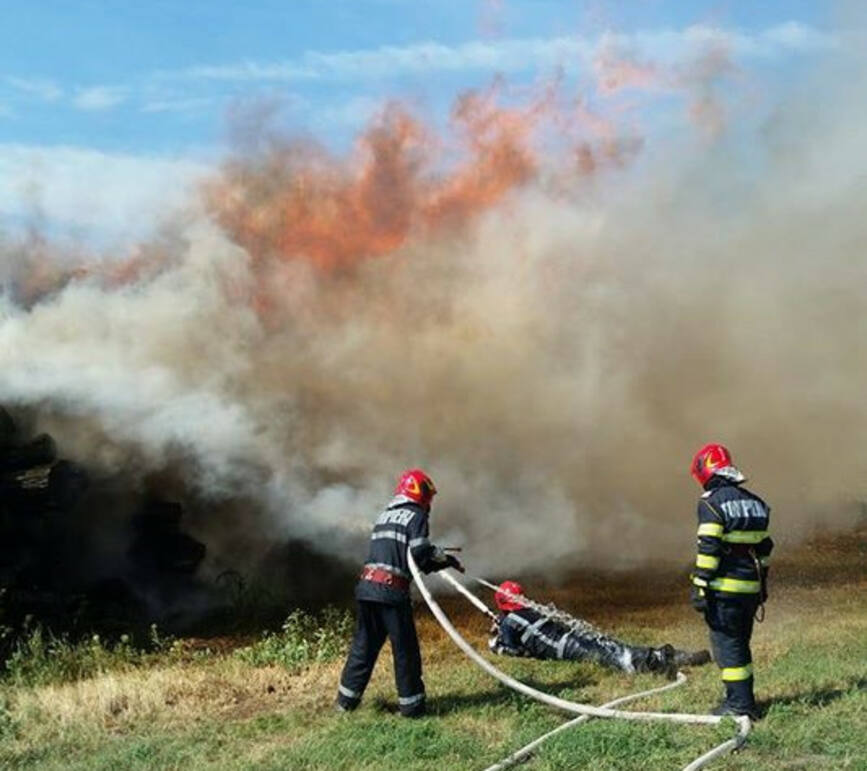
(553, 363)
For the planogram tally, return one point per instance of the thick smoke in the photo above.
(550, 331)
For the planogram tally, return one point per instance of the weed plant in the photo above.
(41, 658)
(303, 639)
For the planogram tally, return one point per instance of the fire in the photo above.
(297, 201)
(404, 179)
(501, 158)
(294, 201)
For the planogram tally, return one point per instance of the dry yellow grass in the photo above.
(173, 695)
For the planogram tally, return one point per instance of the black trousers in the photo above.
(608, 652)
(374, 622)
(730, 621)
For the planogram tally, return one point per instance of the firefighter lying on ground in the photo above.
(382, 596)
(523, 631)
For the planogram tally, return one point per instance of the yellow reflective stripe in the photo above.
(736, 585)
(699, 581)
(764, 561)
(731, 674)
(714, 529)
(745, 536)
(707, 561)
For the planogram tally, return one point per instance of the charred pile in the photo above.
(53, 568)
(38, 494)
(159, 545)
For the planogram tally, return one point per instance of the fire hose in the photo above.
(525, 752)
(743, 722)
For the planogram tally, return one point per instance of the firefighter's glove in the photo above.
(454, 562)
(698, 598)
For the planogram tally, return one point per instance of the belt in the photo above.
(380, 576)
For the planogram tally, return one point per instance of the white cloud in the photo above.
(352, 112)
(41, 88)
(178, 104)
(506, 55)
(99, 97)
(510, 55)
(799, 36)
(107, 194)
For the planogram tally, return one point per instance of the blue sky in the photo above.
(106, 89)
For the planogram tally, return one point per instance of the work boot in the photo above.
(344, 705)
(418, 711)
(691, 659)
(728, 709)
(660, 661)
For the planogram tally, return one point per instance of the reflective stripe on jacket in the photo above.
(525, 632)
(732, 537)
(402, 525)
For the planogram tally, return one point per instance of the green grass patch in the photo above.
(810, 679)
(303, 639)
(41, 658)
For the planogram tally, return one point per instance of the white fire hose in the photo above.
(586, 710)
(526, 751)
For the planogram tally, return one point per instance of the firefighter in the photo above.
(729, 582)
(523, 631)
(382, 596)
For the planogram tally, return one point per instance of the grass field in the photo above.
(269, 707)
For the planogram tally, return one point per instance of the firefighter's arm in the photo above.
(763, 554)
(765, 547)
(709, 547)
(428, 557)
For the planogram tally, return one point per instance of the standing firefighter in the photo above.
(523, 631)
(382, 596)
(729, 581)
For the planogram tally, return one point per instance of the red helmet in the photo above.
(714, 459)
(417, 486)
(505, 596)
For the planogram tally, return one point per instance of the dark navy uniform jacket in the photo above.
(733, 540)
(403, 525)
(525, 632)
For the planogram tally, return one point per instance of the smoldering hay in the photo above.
(550, 339)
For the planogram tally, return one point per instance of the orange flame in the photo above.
(295, 201)
(298, 202)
